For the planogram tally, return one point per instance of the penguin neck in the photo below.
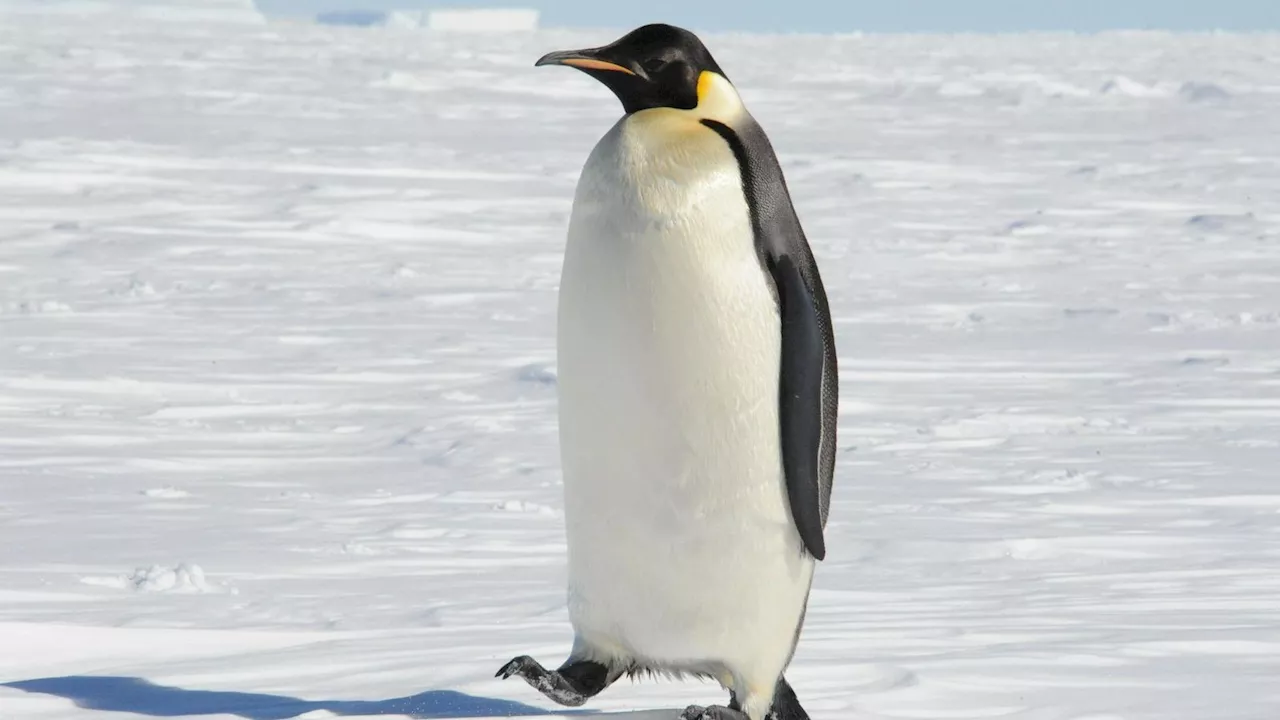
(718, 100)
(679, 138)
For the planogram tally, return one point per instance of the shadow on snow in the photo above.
(138, 696)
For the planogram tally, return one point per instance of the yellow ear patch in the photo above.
(706, 83)
(717, 98)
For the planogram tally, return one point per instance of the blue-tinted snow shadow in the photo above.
(141, 697)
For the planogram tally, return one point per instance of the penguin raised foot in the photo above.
(571, 685)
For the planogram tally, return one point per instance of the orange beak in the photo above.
(581, 59)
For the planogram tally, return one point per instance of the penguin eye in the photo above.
(654, 65)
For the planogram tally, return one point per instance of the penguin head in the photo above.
(655, 66)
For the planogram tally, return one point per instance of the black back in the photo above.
(808, 384)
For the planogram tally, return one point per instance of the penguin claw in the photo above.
(571, 685)
(519, 666)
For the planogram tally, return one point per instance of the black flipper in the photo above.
(799, 401)
(572, 684)
(808, 382)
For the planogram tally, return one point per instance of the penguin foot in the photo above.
(571, 685)
(715, 712)
(785, 707)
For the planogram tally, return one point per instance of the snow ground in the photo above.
(277, 394)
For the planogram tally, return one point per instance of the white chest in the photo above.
(669, 338)
(669, 348)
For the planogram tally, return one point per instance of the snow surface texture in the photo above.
(277, 394)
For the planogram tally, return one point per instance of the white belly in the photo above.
(682, 550)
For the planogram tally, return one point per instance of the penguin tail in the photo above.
(785, 704)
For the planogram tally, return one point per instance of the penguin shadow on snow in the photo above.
(142, 697)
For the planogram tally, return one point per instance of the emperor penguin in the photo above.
(697, 388)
